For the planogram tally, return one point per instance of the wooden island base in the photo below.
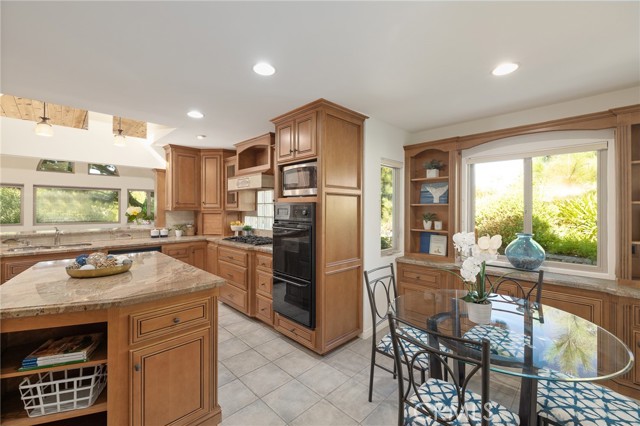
(161, 355)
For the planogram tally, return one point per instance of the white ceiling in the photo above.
(415, 65)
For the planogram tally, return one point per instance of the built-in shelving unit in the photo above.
(17, 345)
(635, 201)
(430, 195)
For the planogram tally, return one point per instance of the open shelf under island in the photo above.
(159, 312)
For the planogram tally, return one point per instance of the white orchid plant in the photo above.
(473, 267)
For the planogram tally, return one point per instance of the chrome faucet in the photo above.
(56, 238)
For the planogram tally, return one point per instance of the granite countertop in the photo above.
(124, 243)
(565, 280)
(45, 288)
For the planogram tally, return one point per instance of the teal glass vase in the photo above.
(525, 253)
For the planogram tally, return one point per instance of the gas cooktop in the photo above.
(251, 239)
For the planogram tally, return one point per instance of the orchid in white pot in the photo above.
(473, 269)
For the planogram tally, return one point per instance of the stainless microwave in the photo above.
(300, 179)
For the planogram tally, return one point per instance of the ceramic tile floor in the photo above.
(267, 379)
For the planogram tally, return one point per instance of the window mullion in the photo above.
(528, 196)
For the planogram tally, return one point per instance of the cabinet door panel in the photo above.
(284, 141)
(211, 182)
(306, 136)
(186, 185)
(172, 381)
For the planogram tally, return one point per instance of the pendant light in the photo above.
(43, 128)
(119, 139)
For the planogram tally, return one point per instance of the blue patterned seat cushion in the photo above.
(503, 342)
(442, 397)
(386, 345)
(585, 404)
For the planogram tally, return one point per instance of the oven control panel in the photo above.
(299, 212)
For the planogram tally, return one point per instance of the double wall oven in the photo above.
(294, 289)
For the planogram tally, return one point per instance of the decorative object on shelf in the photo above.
(427, 219)
(434, 193)
(98, 264)
(437, 225)
(179, 229)
(473, 269)
(438, 245)
(433, 168)
(524, 252)
(57, 391)
(190, 230)
(236, 227)
(247, 230)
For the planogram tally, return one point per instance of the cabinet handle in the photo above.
(290, 151)
(229, 275)
(176, 320)
(136, 367)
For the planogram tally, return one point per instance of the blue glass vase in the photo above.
(525, 253)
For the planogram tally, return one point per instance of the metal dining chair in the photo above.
(382, 291)
(505, 342)
(439, 402)
(564, 403)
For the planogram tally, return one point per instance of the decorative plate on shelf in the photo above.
(102, 272)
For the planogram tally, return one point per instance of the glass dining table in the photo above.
(532, 342)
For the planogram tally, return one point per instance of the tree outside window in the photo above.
(555, 197)
(55, 205)
(10, 205)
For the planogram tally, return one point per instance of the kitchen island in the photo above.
(159, 320)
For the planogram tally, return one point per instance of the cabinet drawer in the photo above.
(237, 257)
(295, 331)
(264, 309)
(150, 324)
(264, 283)
(263, 261)
(235, 274)
(422, 276)
(235, 297)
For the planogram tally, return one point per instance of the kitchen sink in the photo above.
(27, 248)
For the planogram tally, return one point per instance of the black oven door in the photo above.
(293, 250)
(295, 299)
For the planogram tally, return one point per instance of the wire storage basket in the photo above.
(57, 391)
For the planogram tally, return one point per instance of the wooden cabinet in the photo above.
(236, 200)
(172, 380)
(255, 155)
(160, 190)
(295, 331)
(182, 178)
(233, 266)
(211, 261)
(635, 202)
(211, 184)
(430, 195)
(20, 336)
(192, 253)
(334, 135)
(170, 357)
(296, 138)
(263, 277)
(12, 266)
(413, 278)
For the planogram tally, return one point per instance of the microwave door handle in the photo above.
(292, 283)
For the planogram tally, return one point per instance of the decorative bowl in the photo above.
(102, 272)
(237, 228)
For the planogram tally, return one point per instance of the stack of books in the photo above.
(65, 350)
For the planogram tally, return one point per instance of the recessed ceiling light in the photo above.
(263, 68)
(505, 68)
(195, 114)
(201, 136)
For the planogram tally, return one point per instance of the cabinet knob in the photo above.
(136, 367)
(176, 320)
